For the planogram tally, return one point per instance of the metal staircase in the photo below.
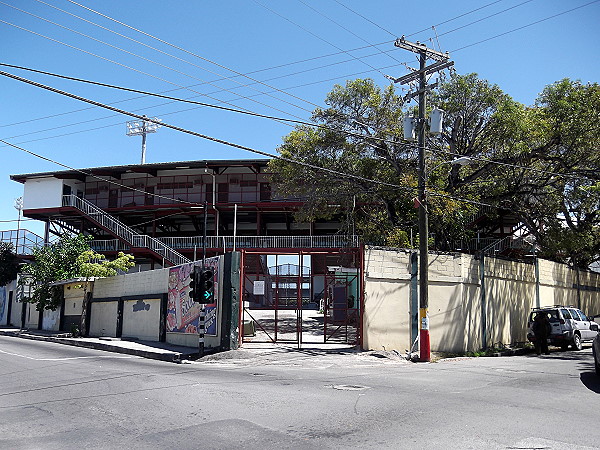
(122, 231)
(521, 243)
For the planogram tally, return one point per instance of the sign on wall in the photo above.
(182, 312)
(259, 287)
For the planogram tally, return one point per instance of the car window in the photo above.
(575, 314)
(566, 314)
(581, 315)
(553, 315)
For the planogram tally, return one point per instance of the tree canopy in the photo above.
(539, 163)
(70, 257)
(9, 264)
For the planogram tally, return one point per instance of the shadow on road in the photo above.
(591, 381)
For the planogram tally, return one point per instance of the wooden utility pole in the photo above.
(442, 62)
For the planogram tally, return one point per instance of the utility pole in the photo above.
(442, 62)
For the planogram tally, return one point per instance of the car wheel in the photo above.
(597, 364)
(577, 342)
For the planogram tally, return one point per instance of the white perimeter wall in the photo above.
(457, 309)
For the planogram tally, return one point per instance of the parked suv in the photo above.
(569, 326)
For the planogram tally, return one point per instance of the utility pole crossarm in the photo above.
(417, 47)
(435, 67)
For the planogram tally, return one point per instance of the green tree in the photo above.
(361, 134)
(538, 163)
(9, 264)
(92, 265)
(70, 257)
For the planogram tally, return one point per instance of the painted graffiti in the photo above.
(182, 312)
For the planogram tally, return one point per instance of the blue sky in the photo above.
(296, 49)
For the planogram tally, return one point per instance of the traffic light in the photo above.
(195, 276)
(206, 288)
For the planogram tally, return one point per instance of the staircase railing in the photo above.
(509, 242)
(122, 231)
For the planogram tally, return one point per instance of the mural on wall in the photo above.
(182, 312)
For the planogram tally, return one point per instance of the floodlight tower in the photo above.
(142, 127)
(19, 207)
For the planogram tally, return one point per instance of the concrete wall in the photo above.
(132, 284)
(103, 319)
(32, 316)
(462, 316)
(141, 294)
(386, 314)
(141, 319)
(51, 320)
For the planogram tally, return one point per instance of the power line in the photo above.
(431, 149)
(175, 99)
(485, 18)
(221, 141)
(314, 35)
(152, 94)
(168, 54)
(174, 112)
(454, 18)
(193, 133)
(366, 18)
(183, 50)
(140, 71)
(257, 71)
(525, 26)
(214, 92)
(344, 28)
(515, 166)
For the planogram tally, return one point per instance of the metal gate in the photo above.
(301, 297)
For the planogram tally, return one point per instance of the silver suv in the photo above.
(569, 326)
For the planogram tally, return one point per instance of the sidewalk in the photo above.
(146, 349)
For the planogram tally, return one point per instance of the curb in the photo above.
(173, 357)
(517, 352)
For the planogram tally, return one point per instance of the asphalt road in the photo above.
(59, 397)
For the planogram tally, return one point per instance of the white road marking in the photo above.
(65, 358)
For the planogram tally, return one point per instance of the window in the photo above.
(576, 314)
(566, 314)
(175, 185)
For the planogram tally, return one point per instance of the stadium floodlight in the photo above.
(142, 127)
